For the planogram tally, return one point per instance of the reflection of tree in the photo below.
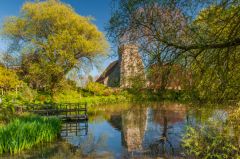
(166, 116)
(162, 143)
(92, 144)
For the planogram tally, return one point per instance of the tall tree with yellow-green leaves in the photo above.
(8, 80)
(52, 39)
(216, 69)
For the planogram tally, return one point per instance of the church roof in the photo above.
(108, 70)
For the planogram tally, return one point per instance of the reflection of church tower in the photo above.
(131, 65)
(133, 126)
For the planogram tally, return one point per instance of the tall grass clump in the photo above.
(25, 132)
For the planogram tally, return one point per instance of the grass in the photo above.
(124, 96)
(101, 100)
(96, 100)
(25, 132)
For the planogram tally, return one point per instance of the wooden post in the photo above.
(58, 109)
(86, 111)
(66, 111)
(76, 128)
(78, 114)
(66, 129)
(86, 127)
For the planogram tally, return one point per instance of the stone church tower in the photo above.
(127, 70)
(131, 65)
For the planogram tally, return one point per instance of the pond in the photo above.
(148, 130)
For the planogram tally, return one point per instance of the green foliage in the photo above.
(8, 79)
(50, 44)
(75, 97)
(6, 114)
(98, 89)
(43, 97)
(69, 96)
(27, 94)
(216, 71)
(215, 139)
(101, 100)
(138, 82)
(234, 119)
(20, 97)
(25, 132)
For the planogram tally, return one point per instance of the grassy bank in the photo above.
(120, 96)
(92, 94)
(96, 100)
(27, 131)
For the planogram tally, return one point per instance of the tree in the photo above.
(202, 36)
(216, 70)
(52, 40)
(8, 79)
(90, 78)
(7, 59)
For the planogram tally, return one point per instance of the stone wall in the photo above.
(114, 77)
(131, 65)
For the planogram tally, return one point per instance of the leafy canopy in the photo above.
(52, 39)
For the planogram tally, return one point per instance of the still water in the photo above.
(150, 130)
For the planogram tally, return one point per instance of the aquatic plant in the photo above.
(25, 132)
(215, 139)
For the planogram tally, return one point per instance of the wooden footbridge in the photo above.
(65, 111)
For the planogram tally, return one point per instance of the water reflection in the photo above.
(153, 131)
(132, 131)
(71, 129)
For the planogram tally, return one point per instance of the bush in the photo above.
(234, 120)
(214, 140)
(96, 88)
(69, 96)
(27, 94)
(99, 89)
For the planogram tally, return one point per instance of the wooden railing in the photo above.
(65, 111)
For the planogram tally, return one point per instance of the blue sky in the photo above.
(99, 9)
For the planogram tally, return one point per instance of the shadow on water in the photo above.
(126, 131)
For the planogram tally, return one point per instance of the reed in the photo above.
(25, 132)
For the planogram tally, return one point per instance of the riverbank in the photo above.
(111, 123)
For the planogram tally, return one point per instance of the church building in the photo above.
(122, 72)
